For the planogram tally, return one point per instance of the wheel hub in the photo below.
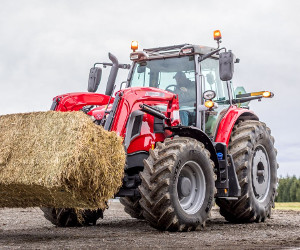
(260, 173)
(191, 187)
(184, 186)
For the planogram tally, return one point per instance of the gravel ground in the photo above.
(27, 228)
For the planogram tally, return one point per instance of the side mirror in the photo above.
(226, 65)
(94, 79)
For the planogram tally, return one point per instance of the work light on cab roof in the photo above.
(187, 50)
(134, 45)
(218, 37)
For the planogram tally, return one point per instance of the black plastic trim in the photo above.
(136, 159)
(54, 103)
(112, 113)
(158, 126)
(199, 135)
(234, 186)
(129, 136)
(130, 186)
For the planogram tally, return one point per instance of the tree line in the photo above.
(288, 189)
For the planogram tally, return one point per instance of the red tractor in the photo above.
(190, 139)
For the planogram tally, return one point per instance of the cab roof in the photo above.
(170, 51)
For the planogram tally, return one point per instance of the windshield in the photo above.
(161, 73)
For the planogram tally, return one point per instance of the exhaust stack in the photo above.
(112, 75)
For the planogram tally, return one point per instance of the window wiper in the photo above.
(201, 58)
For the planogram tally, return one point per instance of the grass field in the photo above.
(287, 206)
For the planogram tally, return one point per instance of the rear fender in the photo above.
(76, 101)
(199, 135)
(233, 115)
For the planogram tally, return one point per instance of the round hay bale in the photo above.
(59, 159)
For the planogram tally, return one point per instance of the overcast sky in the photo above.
(47, 48)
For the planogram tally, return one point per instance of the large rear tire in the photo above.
(178, 185)
(69, 217)
(132, 207)
(254, 155)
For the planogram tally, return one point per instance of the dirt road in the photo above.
(27, 228)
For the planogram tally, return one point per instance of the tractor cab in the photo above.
(193, 73)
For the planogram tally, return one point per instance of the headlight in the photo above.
(209, 104)
(209, 94)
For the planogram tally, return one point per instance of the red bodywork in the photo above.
(98, 112)
(130, 100)
(228, 121)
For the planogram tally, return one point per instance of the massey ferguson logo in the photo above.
(98, 116)
(155, 94)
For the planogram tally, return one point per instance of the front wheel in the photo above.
(178, 184)
(70, 217)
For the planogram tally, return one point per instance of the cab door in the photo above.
(211, 81)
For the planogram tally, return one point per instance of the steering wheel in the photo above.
(171, 86)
